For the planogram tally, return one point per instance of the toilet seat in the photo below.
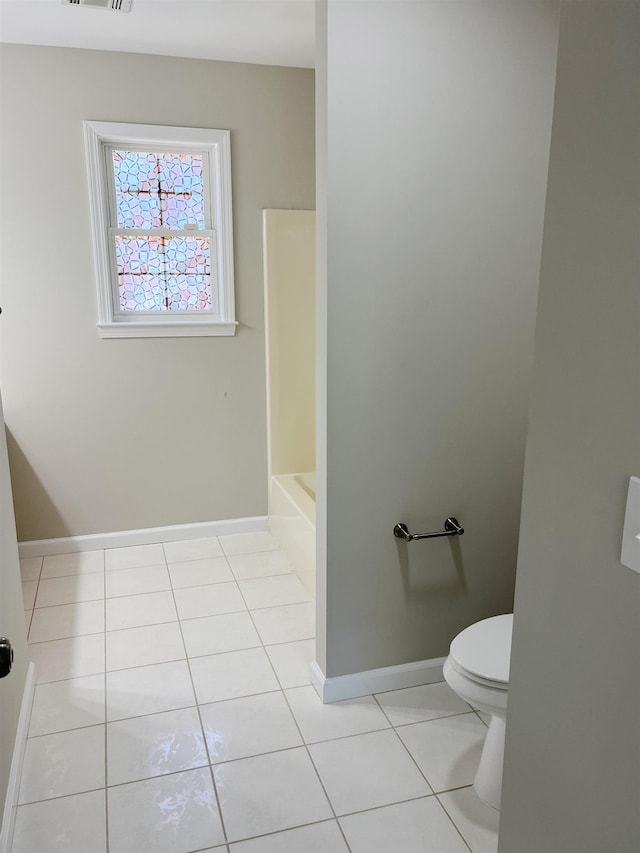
(482, 652)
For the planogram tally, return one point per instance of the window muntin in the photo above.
(158, 189)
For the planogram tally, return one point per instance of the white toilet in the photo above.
(477, 669)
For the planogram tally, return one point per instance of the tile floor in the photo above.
(173, 713)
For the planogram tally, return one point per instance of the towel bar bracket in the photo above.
(451, 528)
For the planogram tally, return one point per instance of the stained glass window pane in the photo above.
(142, 293)
(137, 189)
(155, 190)
(188, 262)
(164, 273)
(181, 190)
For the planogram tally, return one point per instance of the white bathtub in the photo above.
(292, 520)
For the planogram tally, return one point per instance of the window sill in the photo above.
(167, 330)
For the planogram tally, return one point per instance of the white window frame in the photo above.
(215, 145)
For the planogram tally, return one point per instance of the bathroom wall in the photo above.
(572, 766)
(436, 141)
(116, 434)
(289, 262)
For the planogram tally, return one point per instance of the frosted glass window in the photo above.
(162, 224)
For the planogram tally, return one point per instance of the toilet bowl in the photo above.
(477, 669)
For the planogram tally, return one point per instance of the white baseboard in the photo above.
(13, 787)
(375, 680)
(145, 536)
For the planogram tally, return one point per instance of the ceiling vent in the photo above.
(113, 5)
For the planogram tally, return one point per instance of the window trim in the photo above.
(102, 136)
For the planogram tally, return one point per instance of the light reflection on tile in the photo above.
(169, 814)
(154, 745)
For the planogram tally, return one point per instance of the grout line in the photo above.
(69, 637)
(406, 748)
(431, 719)
(69, 603)
(35, 598)
(204, 736)
(388, 805)
(457, 828)
(281, 831)
(304, 743)
(63, 797)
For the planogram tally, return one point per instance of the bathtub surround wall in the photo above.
(572, 766)
(290, 320)
(108, 435)
(435, 140)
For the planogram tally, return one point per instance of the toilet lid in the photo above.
(484, 649)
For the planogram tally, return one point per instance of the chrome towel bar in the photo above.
(451, 528)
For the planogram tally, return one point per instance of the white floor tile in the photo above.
(30, 568)
(322, 837)
(417, 825)
(79, 563)
(339, 719)
(477, 822)
(200, 572)
(192, 549)
(75, 824)
(69, 704)
(273, 591)
(64, 763)
(231, 675)
(211, 600)
(66, 620)
(133, 557)
(144, 646)
(260, 565)
(148, 690)
(29, 593)
(70, 658)
(249, 726)
(268, 786)
(168, 814)
(367, 771)
(285, 624)
(248, 543)
(269, 793)
(213, 634)
(416, 704)
(70, 589)
(134, 611)
(137, 581)
(291, 662)
(142, 747)
(446, 750)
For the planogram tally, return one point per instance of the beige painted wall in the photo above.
(572, 765)
(437, 139)
(119, 434)
(290, 289)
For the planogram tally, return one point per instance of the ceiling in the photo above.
(270, 32)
